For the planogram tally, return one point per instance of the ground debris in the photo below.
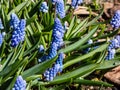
(114, 75)
(81, 10)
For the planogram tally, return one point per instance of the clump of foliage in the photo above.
(43, 51)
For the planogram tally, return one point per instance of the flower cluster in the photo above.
(18, 33)
(111, 54)
(20, 84)
(58, 33)
(1, 39)
(60, 8)
(50, 73)
(44, 7)
(115, 22)
(14, 21)
(114, 43)
(57, 40)
(75, 3)
(56, 44)
(1, 25)
(60, 61)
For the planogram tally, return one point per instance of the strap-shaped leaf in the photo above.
(80, 58)
(70, 27)
(93, 83)
(108, 64)
(10, 70)
(39, 68)
(67, 77)
(35, 8)
(19, 7)
(79, 42)
(79, 27)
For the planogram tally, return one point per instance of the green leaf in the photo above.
(80, 58)
(32, 48)
(11, 69)
(35, 8)
(30, 20)
(39, 68)
(70, 27)
(6, 61)
(19, 7)
(79, 27)
(79, 42)
(94, 20)
(108, 64)
(69, 77)
(92, 83)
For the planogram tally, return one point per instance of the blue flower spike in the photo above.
(56, 44)
(60, 10)
(14, 20)
(76, 3)
(114, 44)
(115, 22)
(18, 27)
(20, 84)
(1, 39)
(57, 67)
(111, 54)
(44, 7)
(1, 24)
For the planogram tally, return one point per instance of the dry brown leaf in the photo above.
(114, 75)
(107, 6)
(84, 12)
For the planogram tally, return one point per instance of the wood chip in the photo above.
(114, 75)
(83, 11)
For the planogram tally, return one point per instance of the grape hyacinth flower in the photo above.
(1, 25)
(41, 49)
(115, 22)
(60, 8)
(18, 33)
(57, 41)
(60, 61)
(57, 67)
(20, 84)
(118, 39)
(113, 44)
(14, 20)
(51, 72)
(111, 54)
(75, 3)
(53, 50)
(58, 33)
(44, 7)
(56, 44)
(1, 39)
